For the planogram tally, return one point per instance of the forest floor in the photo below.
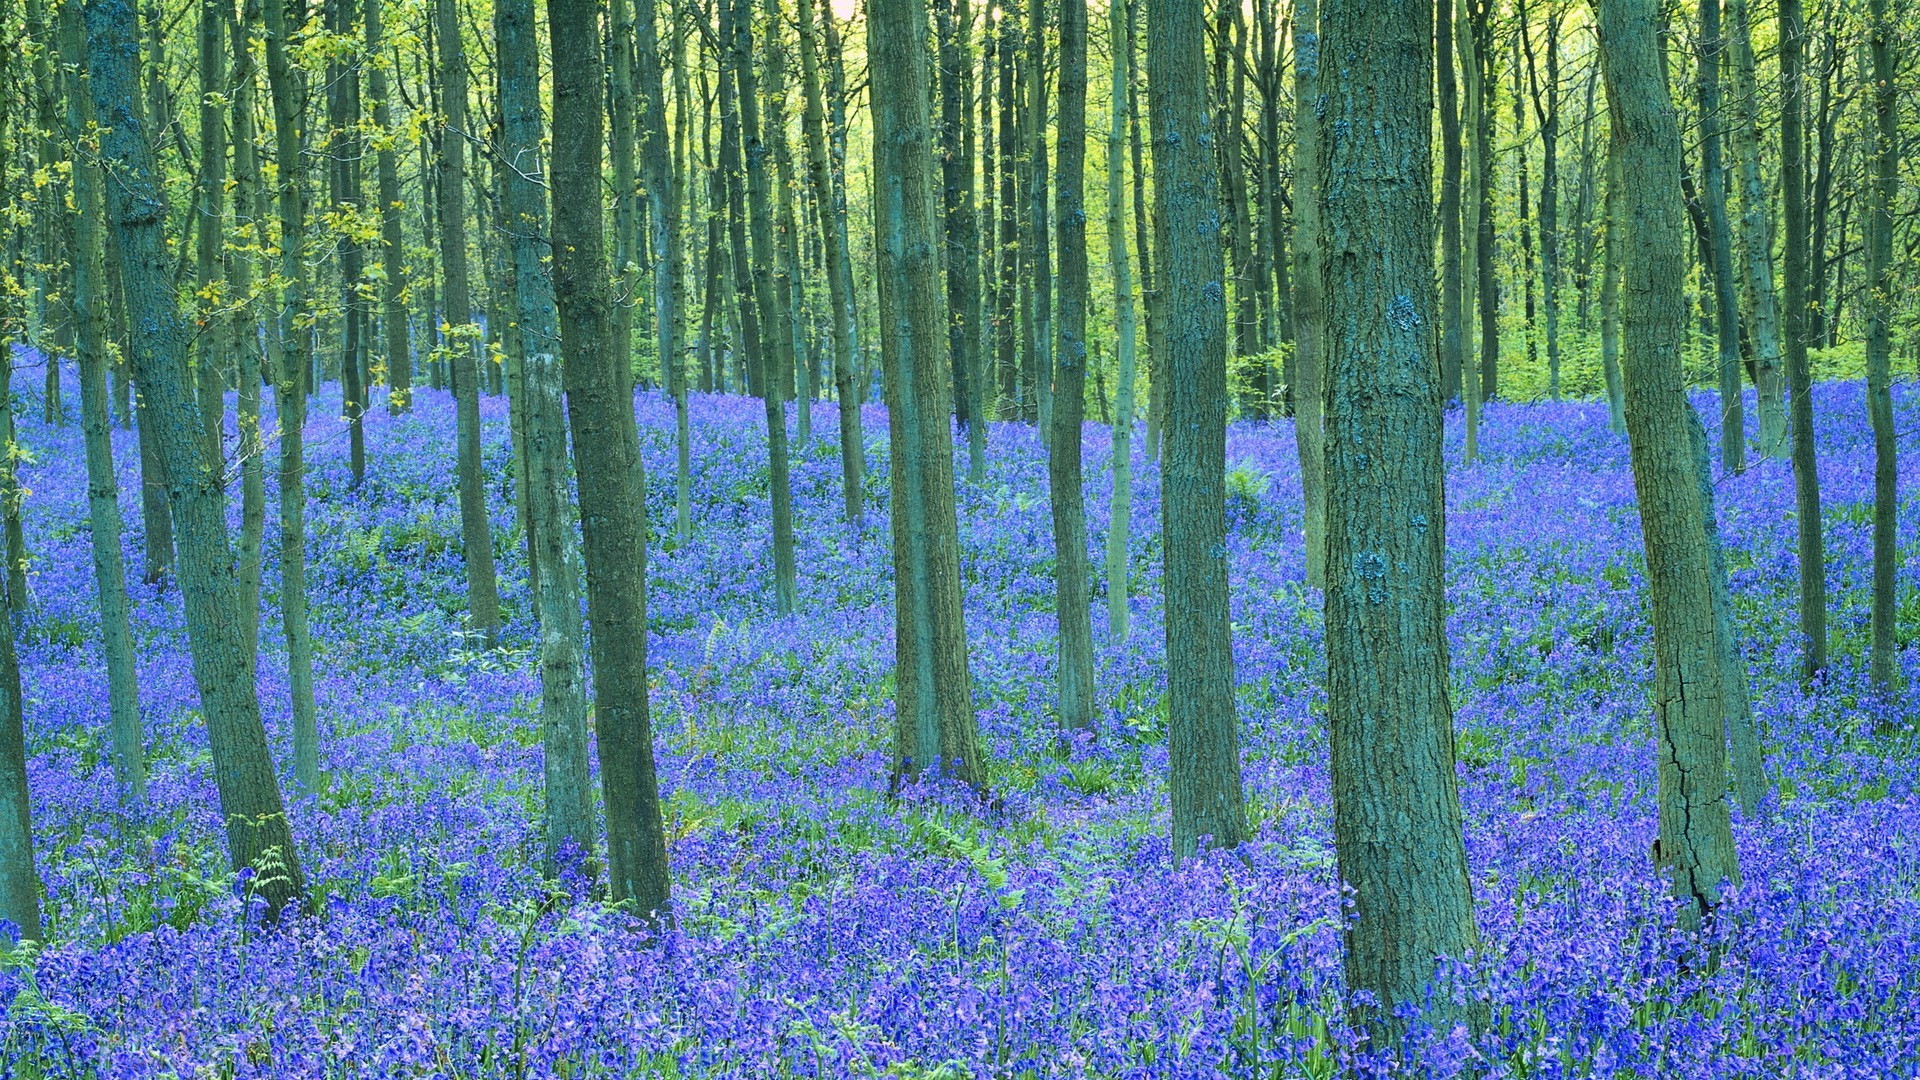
(825, 929)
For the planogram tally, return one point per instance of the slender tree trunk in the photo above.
(1202, 732)
(1452, 285)
(393, 252)
(748, 343)
(621, 145)
(253, 209)
(103, 492)
(773, 299)
(962, 228)
(1040, 260)
(1806, 477)
(476, 534)
(1120, 517)
(1150, 295)
(1880, 291)
(210, 235)
(935, 727)
(1546, 107)
(1071, 595)
(1488, 286)
(796, 381)
(612, 486)
(833, 213)
(344, 150)
(1695, 846)
(1008, 314)
(1583, 206)
(1472, 197)
(1756, 216)
(663, 222)
(19, 880)
(1309, 299)
(1397, 823)
(1733, 435)
(290, 396)
(259, 837)
(570, 824)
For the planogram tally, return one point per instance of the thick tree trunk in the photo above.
(290, 395)
(1695, 845)
(612, 486)
(1202, 732)
(1396, 808)
(935, 727)
(1806, 476)
(1069, 511)
(103, 492)
(259, 837)
(1309, 299)
(476, 533)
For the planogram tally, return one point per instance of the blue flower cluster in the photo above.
(826, 929)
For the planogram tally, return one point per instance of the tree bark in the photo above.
(962, 226)
(1202, 731)
(1452, 284)
(259, 837)
(1396, 809)
(393, 252)
(612, 486)
(1695, 845)
(935, 728)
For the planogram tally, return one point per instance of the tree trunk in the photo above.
(1756, 216)
(1150, 296)
(1397, 824)
(935, 728)
(1880, 291)
(290, 396)
(1309, 299)
(259, 837)
(1733, 435)
(344, 151)
(1546, 107)
(606, 450)
(1120, 517)
(1008, 314)
(1069, 511)
(1471, 198)
(563, 702)
(210, 237)
(393, 252)
(1806, 477)
(1488, 287)
(1452, 285)
(833, 215)
(1040, 259)
(476, 533)
(1202, 731)
(621, 144)
(797, 378)
(663, 223)
(962, 227)
(103, 493)
(773, 299)
(1695, 845)
(253, 209)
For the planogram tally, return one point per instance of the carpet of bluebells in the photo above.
(827, 929)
